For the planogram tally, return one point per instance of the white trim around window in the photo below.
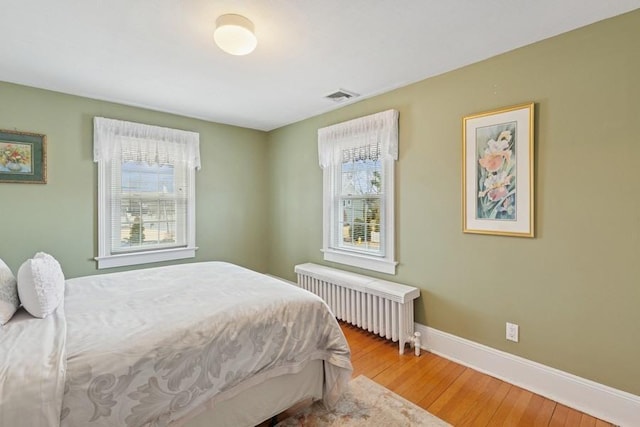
(116, 143)
(371, 141)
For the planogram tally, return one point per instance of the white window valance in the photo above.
(127, 141)
(376, 130)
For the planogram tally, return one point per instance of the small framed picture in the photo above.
(497, 172)
(23, 157)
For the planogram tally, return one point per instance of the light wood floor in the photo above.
(452, 392)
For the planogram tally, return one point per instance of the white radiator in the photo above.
(384, 308)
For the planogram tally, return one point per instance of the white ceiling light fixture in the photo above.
(234, 34)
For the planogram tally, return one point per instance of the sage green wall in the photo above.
(575, 288)
(61, 216)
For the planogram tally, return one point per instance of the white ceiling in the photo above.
(160, 54)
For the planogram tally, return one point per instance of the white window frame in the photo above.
(381, 127)
(188, 160)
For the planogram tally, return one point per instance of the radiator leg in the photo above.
(402, 324)
(417, 343)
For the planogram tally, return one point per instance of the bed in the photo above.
(201, 344)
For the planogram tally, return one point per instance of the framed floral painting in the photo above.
(23, 157)
(497, 172)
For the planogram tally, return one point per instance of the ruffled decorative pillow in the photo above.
(9, 301)
(40, 285)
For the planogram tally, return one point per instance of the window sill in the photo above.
(122, 260)
(381, 265)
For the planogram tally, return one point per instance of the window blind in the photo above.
(149, 206)
(360, 225)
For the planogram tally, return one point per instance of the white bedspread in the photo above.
(145, 347)
(32, 364)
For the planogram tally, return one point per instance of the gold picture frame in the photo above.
(498, 172)
(23, 157)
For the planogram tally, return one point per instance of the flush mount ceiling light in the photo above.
(234, 34)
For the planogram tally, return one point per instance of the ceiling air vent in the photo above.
(341, 95)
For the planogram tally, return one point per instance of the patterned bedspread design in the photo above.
(145, 347)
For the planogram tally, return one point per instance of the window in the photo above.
(358, 159)
(146, 192)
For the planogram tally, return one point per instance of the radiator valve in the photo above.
(416, 342)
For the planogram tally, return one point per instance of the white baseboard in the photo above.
(598, 400)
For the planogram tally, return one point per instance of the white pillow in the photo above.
(40, 285)
(9, 301)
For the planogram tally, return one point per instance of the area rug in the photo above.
(367, 403)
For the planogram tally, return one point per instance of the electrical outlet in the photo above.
(512, 332)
